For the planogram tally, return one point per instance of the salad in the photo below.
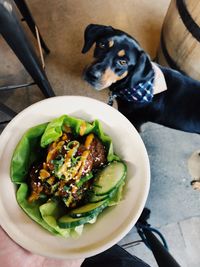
(66, 174)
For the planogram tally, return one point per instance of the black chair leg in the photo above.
(22, 6)
(159, 250)
(7, 110)
(15, 36)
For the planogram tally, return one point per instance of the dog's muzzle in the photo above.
(93, 77)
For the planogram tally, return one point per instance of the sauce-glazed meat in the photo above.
(98, 153)
(66, 171)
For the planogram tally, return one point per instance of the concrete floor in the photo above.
(175, 206)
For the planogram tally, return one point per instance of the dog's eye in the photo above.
(122, 62)
(101, 45)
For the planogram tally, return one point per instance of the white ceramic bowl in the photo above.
(115, 222)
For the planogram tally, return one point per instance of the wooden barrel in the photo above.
(180, 37)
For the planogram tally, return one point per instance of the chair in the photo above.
(13, 33)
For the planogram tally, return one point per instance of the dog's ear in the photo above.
(143, 69)
(92, 33)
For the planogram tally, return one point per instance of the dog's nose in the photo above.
(93, 74)
(96, 74)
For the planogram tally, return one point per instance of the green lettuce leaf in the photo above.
(33, 209)
(55, 128)
(27, 151)
(50, 212)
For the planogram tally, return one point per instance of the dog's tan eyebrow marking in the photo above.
(110, 43)
(121, 53)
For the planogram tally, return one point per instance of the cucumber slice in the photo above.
(116, 195)
(97, 198)
(89, 209)
(109, 178)
(94, 198)
(106, 185)
(67, 221)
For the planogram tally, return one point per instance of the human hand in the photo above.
(12, 255)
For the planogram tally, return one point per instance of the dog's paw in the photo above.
(196, 184)
(194, 169)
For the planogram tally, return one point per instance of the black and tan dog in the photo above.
(122, 65)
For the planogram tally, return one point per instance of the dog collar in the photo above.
(142, 92)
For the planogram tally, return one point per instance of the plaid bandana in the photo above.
(142, 93)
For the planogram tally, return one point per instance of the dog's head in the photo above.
(116, 56)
